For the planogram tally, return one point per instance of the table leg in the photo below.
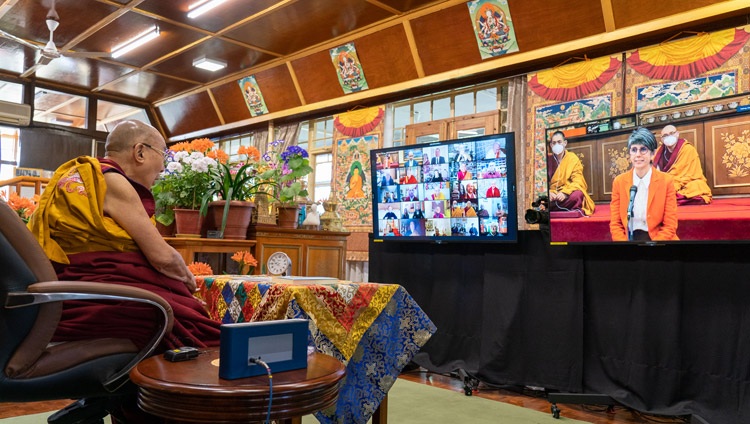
(380, 416)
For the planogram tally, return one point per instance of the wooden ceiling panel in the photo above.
(219, 17)
(85, 73)
(630, 12)
(236, 57)
(386, 57)
(303, 24)
(543, 23)
(406, 5)
(317, 78)
(130, 25)
(145, 85)
(277, 87)
(232, 103)
(14, 57)
(439, 52)
(28, 19)
(189, 114)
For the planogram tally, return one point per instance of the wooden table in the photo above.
(189, 246)
(191, 391)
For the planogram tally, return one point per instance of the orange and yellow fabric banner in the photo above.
(574, 81)
(689, 57)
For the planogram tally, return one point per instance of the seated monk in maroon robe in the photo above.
(95, 223)
(568, 190)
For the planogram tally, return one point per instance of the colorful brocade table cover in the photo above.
(374, 329)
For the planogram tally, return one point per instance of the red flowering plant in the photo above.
(23, 206)
(200, 268)
(245, 261)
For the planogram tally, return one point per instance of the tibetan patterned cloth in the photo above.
(375, 329)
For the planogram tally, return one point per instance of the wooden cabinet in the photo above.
(188, 247)
(313, 253)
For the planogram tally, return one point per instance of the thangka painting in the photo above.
(673, 93)
(493, 27)
(253, 97)
(349, 70)
(352, 179)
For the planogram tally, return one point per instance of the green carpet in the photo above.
(413, 403)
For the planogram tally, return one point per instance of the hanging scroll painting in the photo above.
(493, 27)
(349, 70)
(253, 97)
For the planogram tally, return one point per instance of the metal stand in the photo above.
(579, 399)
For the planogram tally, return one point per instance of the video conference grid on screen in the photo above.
(450, 190)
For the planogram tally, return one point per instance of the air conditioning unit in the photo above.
(15, 114)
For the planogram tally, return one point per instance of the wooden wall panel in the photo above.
(386, 57)
(542, 23)
(231, 102)
(726, 166)
(317, 77)
(188, 114)
(631, 12)
(445, 40)
(278, 89)
(145, 85)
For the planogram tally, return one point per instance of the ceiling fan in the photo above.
(49, 51)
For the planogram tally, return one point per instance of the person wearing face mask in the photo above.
(567, 186)
(644, 204)
(679, 159)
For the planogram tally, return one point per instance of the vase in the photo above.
(238, 218)
(288, 216)
(188, 223)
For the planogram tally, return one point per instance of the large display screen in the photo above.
(460, 190)
(726, 218)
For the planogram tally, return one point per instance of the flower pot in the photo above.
(288, 216)
(188, 223)
(165, 230)
(238, 218)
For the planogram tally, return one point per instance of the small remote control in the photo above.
(183, 353)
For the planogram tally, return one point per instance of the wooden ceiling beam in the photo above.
(510, 62)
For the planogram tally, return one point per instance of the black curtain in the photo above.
(662, 329)
(667, 328)
(505, 313)
(48, 148)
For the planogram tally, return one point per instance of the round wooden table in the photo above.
(191, 391)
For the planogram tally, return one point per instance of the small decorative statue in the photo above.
(331, 221)
(312, 218)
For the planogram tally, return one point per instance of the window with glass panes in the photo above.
(316, 136)
(232, 145)
(8, 151)
(460, 102)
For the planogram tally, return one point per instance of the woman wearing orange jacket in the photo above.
(644, 203)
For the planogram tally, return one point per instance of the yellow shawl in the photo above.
(70, 216)
(569, 177)
(688, 174)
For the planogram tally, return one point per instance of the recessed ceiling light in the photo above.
(201, 7)
(209, 64)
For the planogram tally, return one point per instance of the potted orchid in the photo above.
(283, 176)
(231, 187)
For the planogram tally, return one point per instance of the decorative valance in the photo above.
(359, 122)
(574, 81)
(690, 57)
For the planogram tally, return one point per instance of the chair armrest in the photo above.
(58, 291)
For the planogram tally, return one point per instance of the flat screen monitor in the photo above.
(461, 190)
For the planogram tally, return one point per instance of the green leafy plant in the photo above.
(284, 172)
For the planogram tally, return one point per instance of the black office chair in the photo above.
(93, 371)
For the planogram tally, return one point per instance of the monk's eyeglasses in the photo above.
(164, 153)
